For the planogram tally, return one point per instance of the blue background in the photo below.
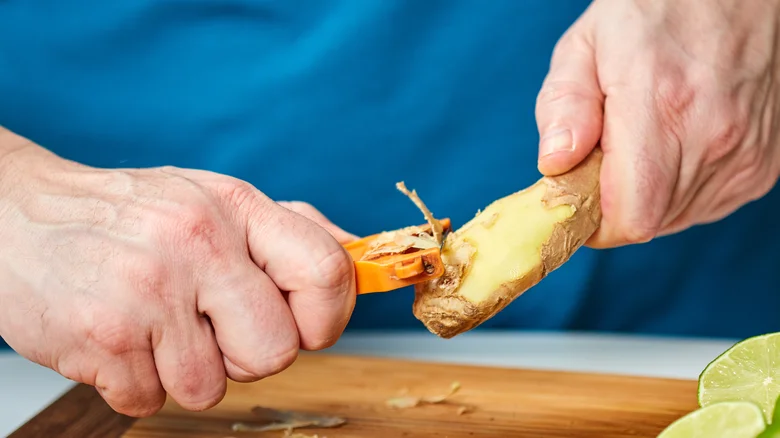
(332, 102)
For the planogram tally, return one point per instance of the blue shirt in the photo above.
(333, 102)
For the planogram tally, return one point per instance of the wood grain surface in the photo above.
(79, 413)
(505, 402)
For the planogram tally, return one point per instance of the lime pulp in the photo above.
(719, 420)
(748, 371)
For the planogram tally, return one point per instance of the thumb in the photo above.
(569, 106)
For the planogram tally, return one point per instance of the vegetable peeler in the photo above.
(394, 271)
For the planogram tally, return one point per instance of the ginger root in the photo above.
(509, 247)
(288, 433)
(436, 226)
(274, 419)
(409, 238)
(410, 401)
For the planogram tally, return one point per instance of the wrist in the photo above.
(11, 143)
(23, 157)
(20, 161)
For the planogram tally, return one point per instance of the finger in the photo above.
(638, 172)
(309, 212)
(569, 106)
(252, 322)
(128, 382)
(305, 260)
(189, 362)
(91, 343)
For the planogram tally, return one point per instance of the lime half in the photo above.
(748, 371)
(719, 420)
(773, 431)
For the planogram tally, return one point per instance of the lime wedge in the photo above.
(719, 420)
(771, 432)
(776, 415)
(748, 371)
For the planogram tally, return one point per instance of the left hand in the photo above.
(684, 98)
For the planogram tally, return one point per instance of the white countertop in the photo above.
(26, 388)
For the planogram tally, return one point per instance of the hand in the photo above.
(143, 282)
(308, 211)
(684, 99)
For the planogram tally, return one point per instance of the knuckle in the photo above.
(674, 94)
(74, 365)
(297, 205)
(147, 276)
(265, 362)
(146, 408)
(281, 361)
(556, 91)
(112, 333)
(238, 193)
(243, 198)
(274, 363)
(196, 226)
(569, 42)
(335, 270)
(169, 169)
(674, 98)
(239, 374)
(300, 207)
(137, 405)
(131, 386)
(195, 389)
(554, 87)
(638, 233)
(727, 136)
(321, 343)
(561, 47)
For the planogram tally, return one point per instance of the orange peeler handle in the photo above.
(394, 271)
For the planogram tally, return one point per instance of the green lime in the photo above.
(771, 432)
(719, 420)
(748, 371)
(776, 416)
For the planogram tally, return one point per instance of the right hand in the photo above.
(164, 280)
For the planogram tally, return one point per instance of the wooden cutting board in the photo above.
(502, 402)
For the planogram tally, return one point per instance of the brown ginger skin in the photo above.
(445, 313)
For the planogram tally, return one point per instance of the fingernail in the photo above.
(556, 141)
